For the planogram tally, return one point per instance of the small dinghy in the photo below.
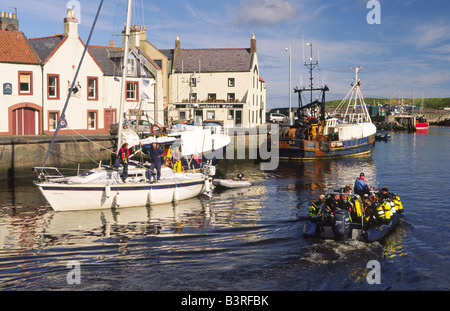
(362, 222)
(232, 183)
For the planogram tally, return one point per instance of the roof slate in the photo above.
(105, 57)
(213, 60)
(44, 47)
(14, 48)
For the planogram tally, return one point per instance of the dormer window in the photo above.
(131, 67)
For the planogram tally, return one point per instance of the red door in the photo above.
(24, 121)
(110, 118)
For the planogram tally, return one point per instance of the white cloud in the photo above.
(428, 35)
(263, 12)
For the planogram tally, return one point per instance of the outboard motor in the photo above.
(341, 225)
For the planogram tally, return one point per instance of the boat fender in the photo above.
(117, 199)
(207, 186)
(107, 191)
(341, 224)
(151, 196)
(176, 195)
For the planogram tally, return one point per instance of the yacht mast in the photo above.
(124, 75)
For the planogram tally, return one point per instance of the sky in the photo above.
(405, 53)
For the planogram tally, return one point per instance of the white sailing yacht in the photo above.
(102, 187)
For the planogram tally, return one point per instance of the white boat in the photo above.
(102, 187)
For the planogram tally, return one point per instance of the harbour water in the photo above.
(248, 239)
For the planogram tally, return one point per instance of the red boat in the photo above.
(421, 123)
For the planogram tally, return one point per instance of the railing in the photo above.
(47, 173)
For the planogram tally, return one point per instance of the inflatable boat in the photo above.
(365, 222)
(232, 183)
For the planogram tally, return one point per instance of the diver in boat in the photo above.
(155, 152)
(315, 206)
(370, 212)
(384, 193)
(361, 187)
(330, 207)
(344, 203)
(122, 158)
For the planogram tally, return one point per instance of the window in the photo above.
(158, 62)
(52, 86)
(230, 97)
(132, 91)
(193, 82)
(230, 114)
(92, 120)
(92, 88)
(182, 115)
(193, 97)
(25, 83)
(211, 97)
(53, 118)
(231, 82)
(131, 66)
(210, 115)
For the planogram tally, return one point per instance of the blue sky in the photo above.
(409, 50)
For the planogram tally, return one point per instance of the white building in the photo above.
(20, 81)
(36, 76)
(217, 84)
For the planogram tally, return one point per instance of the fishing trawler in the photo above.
(348, 131)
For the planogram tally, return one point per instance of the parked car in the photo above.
(276, 117)
(144, 127)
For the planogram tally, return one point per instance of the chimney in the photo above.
(70, 25)
(112, 44)
(135, 37)
(9, 21)
(177, 50)
(143, 33)
(253, 44)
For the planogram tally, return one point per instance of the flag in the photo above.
(197, 158)
(62, 122)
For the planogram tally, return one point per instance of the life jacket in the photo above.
(124, 154)
(168, 155)
(177, 166)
